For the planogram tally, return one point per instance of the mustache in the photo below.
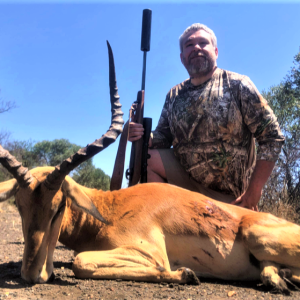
(196, 54)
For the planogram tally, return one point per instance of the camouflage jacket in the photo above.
(210, 127)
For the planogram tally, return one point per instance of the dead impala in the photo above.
(150, 232)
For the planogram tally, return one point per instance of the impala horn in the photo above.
(20, 173)
(55, 179)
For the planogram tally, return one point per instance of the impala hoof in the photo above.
(189, 276)
(285, 273)
(281, 289)
(276, 284)
(51, 278)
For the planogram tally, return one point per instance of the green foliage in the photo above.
(86, 174)
(52, 153)
(284, 184)
(22, 150)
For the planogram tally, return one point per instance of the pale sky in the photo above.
(54, 63)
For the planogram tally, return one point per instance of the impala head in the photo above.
(41, 194)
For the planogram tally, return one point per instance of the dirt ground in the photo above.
(66, 286)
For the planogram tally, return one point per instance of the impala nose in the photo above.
(40, 277)
(51, 278)
(28, 278)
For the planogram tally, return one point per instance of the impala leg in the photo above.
(128, 263)
(270, 277)
(271, 239)
(295, 275)
(276, 244)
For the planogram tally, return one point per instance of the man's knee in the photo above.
(154, 158)
(155, 163)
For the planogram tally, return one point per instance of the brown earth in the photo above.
(66, 286)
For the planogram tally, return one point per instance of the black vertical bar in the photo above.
(145, 40)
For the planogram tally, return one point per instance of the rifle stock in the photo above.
(136, 148)
(147, 123)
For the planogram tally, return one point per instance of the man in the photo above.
(211, 121)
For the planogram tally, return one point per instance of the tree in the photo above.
(284, 99)
(22, 150)
(5, 106)
(4, 135)
(52, 153)
(86, 174)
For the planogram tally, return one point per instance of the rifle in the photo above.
(137, 170)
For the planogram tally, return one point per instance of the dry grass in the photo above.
(283, 210)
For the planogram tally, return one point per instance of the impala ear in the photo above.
(8, 189)
(80, 199)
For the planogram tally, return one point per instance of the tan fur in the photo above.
(8, 189)
(155, 232)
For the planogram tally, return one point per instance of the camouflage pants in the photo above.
(178, 176)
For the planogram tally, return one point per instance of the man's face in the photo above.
(198, 54)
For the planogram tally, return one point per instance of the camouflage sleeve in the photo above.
(161, 136)
(261, 121)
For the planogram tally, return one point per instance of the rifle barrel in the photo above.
(135, 165)
(145, 40)
(144, 71)
(146, 30)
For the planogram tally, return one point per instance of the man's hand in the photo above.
(136, 131)
(248, 200)
(261, 173)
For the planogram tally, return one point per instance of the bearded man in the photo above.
(212, 121)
